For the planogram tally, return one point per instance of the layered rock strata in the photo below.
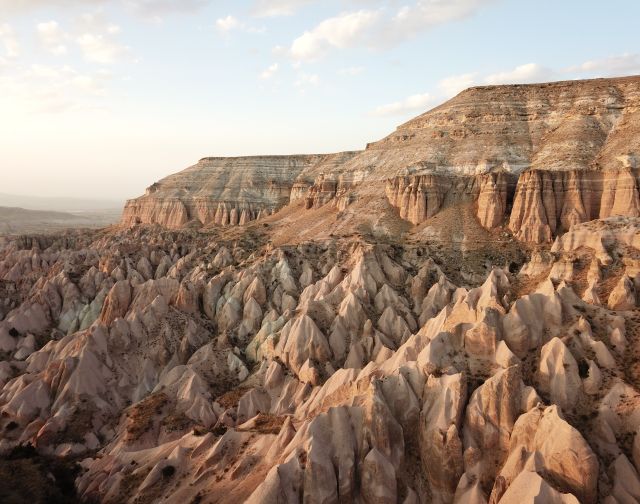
(573, 147)
(549, 202)
(225, 191)
(420, 197)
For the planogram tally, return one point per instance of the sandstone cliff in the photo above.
(419, 197)
(539, 157)
(226, 191)
(550, 201)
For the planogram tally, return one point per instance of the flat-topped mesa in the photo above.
(539, 157)
(225, 191)
(556, 126)
(583, 137)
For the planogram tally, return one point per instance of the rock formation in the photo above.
(541, 157)
(229, 191)
(378, 336)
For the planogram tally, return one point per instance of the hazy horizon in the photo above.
(59, 203)
(99, 101)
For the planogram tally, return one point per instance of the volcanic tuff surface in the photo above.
(450, 316)
(519, 153)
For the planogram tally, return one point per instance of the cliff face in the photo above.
(563, 153)
(547, 202)
(574, 125)
(226, 191)
(420, 197)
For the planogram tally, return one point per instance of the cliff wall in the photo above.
(539, 157)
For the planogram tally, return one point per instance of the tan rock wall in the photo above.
(420, 197)
(549, 202)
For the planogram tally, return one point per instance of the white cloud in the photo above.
(379, 28)
(146, 8)
(92, 33)
(227, 24)
(98, 48)
(9, 40)
(230, 23)
(523, 74)
(272, 8)
(269, 72)
(624, 64)
(345, 30)
(414, 103)
(157, 8)
(97, 37)
(53, 89)
(351, 71)
(52, 37)
(425, 14)
(451, 86)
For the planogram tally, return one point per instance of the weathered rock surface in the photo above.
(184, 365)
(333, 352)
(228, 191)
(539, 157)
(548, 202)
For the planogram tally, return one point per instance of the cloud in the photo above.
(230, 23)
(624, 64)
(346, 30)
(227, 24)
(52, 37)
(146, 8)
(351, 71)
(523, 74)
(414, 103)
(98, 48)
(273, 8)
(425, 14)
(96, 37)
(53, 89)
(158, 8)
(451, 86)
(269, 72)
(9, 40)
(92, 33)
(380, 28)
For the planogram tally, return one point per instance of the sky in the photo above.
(100, 98)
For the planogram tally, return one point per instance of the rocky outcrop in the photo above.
(227, 191)
(420, 197)
(546, 202)
(338, 354)
(183, 365)
(557, 126)
(572, 147)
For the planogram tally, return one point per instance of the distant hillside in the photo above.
(58, 204)
(14, 220)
